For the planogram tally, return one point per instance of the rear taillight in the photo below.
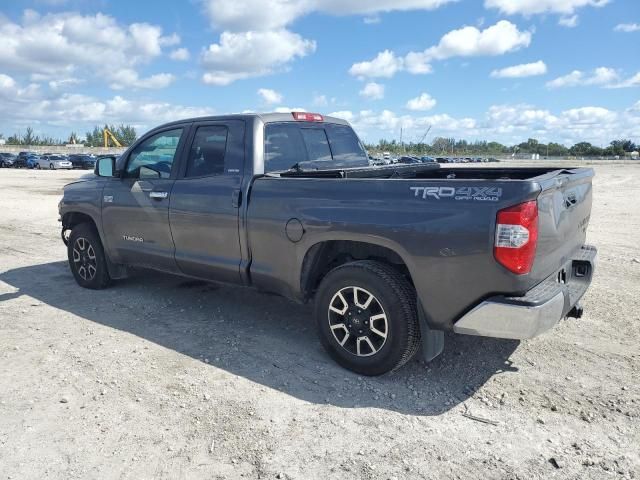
(307, 117)
(517, 237)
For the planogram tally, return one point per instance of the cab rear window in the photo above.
(298, 146)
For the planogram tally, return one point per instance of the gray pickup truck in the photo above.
(391, 256)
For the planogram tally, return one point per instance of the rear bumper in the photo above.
(539, 309)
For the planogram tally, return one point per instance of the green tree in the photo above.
(29, 138)
(126, 134)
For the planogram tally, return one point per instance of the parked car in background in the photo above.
(427, 159)
(7, 159)
(32, 161)
(408, 160)
(54, 162)
(82, 160)
(21, 159)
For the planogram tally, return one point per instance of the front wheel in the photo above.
(87, 258)
(367, 317)
(51, 167)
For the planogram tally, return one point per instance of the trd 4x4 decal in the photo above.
(480, 194)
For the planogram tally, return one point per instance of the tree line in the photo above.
(126, 135)
(442, 146)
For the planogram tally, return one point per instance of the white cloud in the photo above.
(252, 15)
(73, 45)
(569, 22)
(129, 79)
(627, 27)
(64, 83)
(250, 26)
(522, 70)
(589, 115)
(251, 54)
(416, 63)
(343, 114)
(633, 81)
(385, 64)
(570, 80)
(510, 124)
(387, 123)
(498, 39)
(269, 96)
(6, 82)
(289, 109)
(373, 91)
(180, 54)
(533, 7)
(601, 76)
(421, 103)
(30, 105)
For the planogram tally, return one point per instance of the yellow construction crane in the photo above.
(107, 134)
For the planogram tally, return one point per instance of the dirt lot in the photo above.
(158, 377)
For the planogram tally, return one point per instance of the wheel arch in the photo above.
(72, 219)
(323, 256)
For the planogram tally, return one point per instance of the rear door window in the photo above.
(207, 154)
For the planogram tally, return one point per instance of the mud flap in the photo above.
(432, 340)
(116, 271)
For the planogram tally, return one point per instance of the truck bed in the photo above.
(440, 221)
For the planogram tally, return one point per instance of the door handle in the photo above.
(236, 198)
(158, 195)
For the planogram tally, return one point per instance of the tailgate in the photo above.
(564, 208)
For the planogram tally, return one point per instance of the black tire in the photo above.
(51, 167)
(396, 303)
(83, 244)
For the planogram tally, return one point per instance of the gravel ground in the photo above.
(159, 377)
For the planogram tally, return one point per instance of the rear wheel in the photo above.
(87, 258)
(367, 317)
(51, 167)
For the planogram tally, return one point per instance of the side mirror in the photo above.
(105, 167)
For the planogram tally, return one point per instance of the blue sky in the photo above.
(506, 70)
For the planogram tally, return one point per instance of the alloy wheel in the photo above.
(357, 321)
(84, 259)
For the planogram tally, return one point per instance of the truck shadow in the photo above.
(264, 338)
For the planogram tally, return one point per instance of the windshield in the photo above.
(309, 146)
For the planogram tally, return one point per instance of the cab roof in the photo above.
(263, 117)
